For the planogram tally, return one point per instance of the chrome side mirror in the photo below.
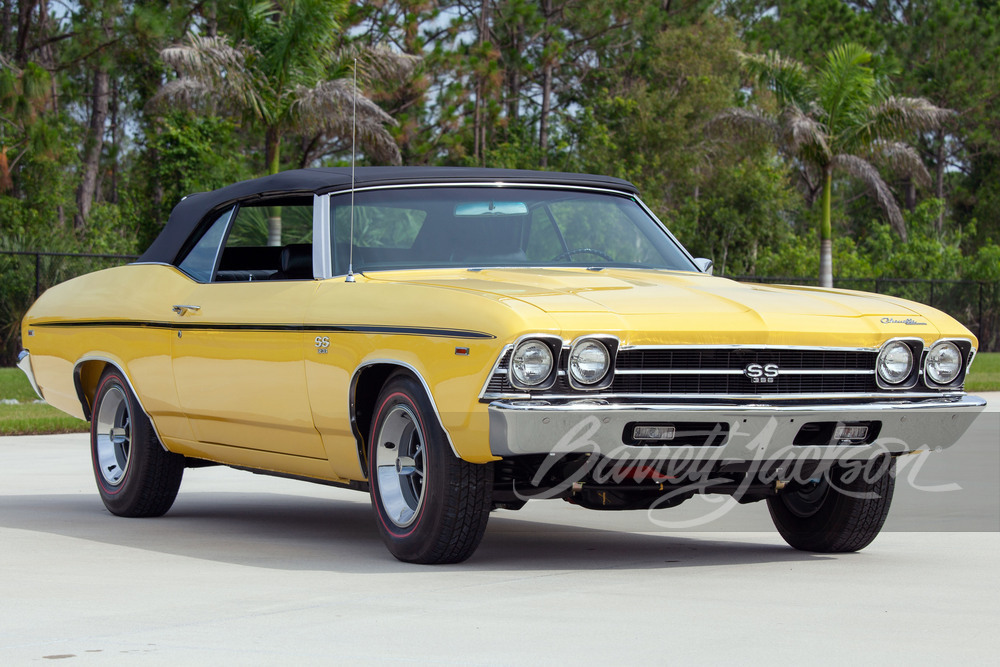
(704, 265)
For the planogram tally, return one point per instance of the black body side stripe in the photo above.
(318, 328)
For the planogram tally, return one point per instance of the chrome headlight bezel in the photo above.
(914, 349)
(551, 345)
(609, 344)
(943, 363)
(963, 347)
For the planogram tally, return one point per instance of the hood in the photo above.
(650, 301)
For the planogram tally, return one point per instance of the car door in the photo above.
(238, 350)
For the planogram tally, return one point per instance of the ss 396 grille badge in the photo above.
(759, 373)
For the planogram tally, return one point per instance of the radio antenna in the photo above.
(354, 132)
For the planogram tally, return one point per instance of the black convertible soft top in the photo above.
(193, 209)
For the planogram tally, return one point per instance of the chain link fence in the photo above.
(25, 275)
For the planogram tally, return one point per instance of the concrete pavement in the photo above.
(254, 570)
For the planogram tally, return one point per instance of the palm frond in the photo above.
(865, 171)
(220, 68)
(846, 85)
(329, 107)
(902, 159)
(895, 116)
(800, 131)
(202, 55)
(784, 76)
(378, 64)
(249, 19)
(301, 43)
(184, 91)
(749, 123)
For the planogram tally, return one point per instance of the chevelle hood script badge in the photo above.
(908, 321)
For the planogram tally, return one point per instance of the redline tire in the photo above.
(430, 506)
(843, 512)
(135, 476)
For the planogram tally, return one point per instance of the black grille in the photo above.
(738, 359)
(740, 384)
(787, 381)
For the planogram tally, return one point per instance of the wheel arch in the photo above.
(87, 375)
(366, 383)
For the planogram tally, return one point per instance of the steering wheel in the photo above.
(569, 253)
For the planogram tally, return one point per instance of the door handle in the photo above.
(182, 309)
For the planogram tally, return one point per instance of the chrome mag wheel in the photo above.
(400, 465)
(113, 436)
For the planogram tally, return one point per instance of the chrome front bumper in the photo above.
(24, 363)
(756, 432)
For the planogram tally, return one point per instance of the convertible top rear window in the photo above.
(436, 227)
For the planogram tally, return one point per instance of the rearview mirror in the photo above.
(471, 209)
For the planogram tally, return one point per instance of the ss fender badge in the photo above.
(909, 321)
(322, 344)
(761, 373)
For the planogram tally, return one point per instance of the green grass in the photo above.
(36, 419)
(27, 417)
(14, 384)
(985, 375)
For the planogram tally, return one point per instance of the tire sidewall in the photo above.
(414, 541)
(835, 525)
(122, 496)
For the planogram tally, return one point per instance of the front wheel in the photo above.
(136, 477)
(841, 511)
(431, 506)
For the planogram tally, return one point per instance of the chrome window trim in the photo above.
(670, 234)
(322, 246)
(230, 212)
(488, 184)
(507, 184)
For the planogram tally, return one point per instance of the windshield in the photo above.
(471, 227)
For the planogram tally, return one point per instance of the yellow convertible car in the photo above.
(456, 341)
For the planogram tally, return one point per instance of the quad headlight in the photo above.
(589, 362)
(895, 363)
(531, 364)
(944, 363)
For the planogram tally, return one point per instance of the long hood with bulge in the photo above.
(695, 308)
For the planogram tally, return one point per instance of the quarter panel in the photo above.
(117, 315)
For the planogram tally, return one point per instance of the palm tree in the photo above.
(839, 117)
(281, 69)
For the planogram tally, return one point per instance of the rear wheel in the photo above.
(135, 476)
(431, 506)
(841, 511)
